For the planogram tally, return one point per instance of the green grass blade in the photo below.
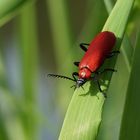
(115, 103)
(113, 108)
(131, 117)
(11, 127)
(84, 113)
(126, 48)
(95, 24)
(127, 52)
(2, 73)
(10, 8)
(109, 5)
(62, 43)
(119, 17)
(27, 35)
(61, 32)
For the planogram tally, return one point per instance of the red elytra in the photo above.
(98, 50)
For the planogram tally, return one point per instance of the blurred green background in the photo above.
(37, 38)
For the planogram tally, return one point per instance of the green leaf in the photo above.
(114, 106)
(131, 117)
(83, 116)
(10, 8)
(11, 127)
(27, 37)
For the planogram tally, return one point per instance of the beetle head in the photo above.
(80, 82)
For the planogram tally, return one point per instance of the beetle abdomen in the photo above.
(98, 50)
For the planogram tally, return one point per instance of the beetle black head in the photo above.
(80, 82)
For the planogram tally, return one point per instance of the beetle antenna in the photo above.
(60, 76)
(73, 86)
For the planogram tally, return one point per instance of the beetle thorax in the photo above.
(84, 73)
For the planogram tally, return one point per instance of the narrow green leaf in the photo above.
(84, 113)
(131, 117)
(2, 72)
(114, 106)
(10, 8)
(59, 18)
(126, 48)
(62, 43)
(27, 36)
(109, 5)
(11, 127)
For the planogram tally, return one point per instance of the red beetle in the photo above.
(99, 49)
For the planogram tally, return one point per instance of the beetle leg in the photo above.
(75, 74)
(99, 86)
(82, 46)
(104, 94)
(76, 63)
(96, 79)
(112, 54)
(105, 70)
(108, 69)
